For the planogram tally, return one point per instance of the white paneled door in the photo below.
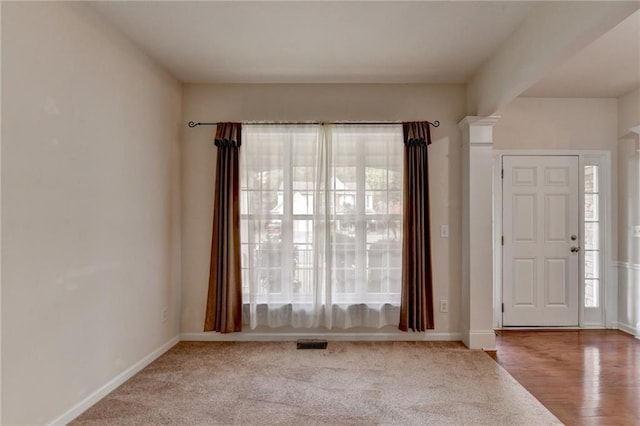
(541, 241)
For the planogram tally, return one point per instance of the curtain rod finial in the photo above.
(192, 124)
(436, 123)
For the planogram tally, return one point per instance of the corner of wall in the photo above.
(110, 386)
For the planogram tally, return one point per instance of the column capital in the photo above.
(473, 120)
(478, 130)
(629, 133)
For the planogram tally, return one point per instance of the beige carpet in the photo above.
(399, 383)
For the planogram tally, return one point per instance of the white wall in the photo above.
(629, 212)
(90, 198)
(628, 112)
(557, 123)
(320, 102)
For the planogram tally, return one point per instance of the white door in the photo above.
(541, 241)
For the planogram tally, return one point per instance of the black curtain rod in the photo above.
(192, 124)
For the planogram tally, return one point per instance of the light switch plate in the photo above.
(444, 231)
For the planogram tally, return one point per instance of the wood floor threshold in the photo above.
(584, 376)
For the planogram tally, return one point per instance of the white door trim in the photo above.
(609, 287)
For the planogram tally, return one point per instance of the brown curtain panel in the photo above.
(416, 305)
(224, 300)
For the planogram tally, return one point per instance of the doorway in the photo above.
(540, 240)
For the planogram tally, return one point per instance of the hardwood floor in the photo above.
(586, 377)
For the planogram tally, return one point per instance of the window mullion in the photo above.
(361, 223)
(287, 221)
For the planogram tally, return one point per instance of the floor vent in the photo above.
(312, 344)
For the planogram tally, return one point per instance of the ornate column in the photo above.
(477, 232)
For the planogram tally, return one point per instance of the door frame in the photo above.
(606, 315)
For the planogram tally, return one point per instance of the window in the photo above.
(592, 240)
(321, 220)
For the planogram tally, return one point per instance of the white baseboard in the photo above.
(628, 279)
(290, 337)
(628, 329)
(555, 327)
(594, 326)
(482, 339)
(86, 403)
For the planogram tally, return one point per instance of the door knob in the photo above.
(575, 249)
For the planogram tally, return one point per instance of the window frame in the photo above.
(288, 219)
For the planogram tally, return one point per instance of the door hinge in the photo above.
(502, 174)
(503, 307)
(503, 240)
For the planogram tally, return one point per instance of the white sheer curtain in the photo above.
(321, 225)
